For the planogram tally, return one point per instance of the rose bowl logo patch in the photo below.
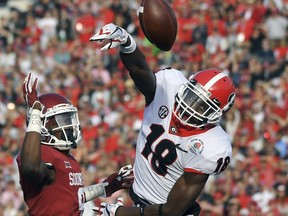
(196, 146)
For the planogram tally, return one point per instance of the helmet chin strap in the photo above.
(71, 138)
(74, 144)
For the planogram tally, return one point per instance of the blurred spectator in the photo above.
(265, 54)
(258, 35)
(12, 198)
(4, 33)
(64, 27)
(200, 31)
(31, 33)
(262, 199)
(16, 23)
(276, 26)
(85, 23)
(47, 24)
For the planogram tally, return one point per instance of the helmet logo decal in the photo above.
(163, 112)
(196, 146)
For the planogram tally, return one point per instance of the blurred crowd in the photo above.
(245, 38)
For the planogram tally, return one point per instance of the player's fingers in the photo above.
(26, 99)
(29, 80)
(29, 83)
(103, 204)
(126, 170)
(128, 178)
(104, 33)
(96, 209)
(24, 87)
(107, 46)
(99, 37)
(126, 183)
(29, 77)
(120, 200)
(26, 83)
(35, 84)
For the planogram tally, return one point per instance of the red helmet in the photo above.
(204, 98)
(59, 115)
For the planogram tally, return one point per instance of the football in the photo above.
(158, 22)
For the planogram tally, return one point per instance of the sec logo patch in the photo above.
(163, 112)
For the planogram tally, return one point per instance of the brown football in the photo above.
(158, 22)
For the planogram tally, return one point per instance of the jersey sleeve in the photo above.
(200, 164)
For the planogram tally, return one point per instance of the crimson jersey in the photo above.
(164, 152)
(64, 195)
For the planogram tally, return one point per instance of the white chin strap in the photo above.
(59, 144)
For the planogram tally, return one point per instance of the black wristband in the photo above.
(142, 211)
(160, 209)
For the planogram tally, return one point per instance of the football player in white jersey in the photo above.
(180, 142)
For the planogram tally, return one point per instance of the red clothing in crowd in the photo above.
(85, 26)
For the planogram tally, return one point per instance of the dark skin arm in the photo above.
(140, 73)
(183, 194)
(33, 168)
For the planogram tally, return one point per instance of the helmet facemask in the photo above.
(194, 108)
(61, 127)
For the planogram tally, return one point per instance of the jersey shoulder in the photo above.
(170, 75)
(217, 142)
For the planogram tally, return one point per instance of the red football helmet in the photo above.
(59, 117)
(203, 100)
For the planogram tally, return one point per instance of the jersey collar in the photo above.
(177, 128)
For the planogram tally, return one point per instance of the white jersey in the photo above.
(162, 156)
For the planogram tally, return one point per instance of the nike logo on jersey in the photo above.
(181, 149)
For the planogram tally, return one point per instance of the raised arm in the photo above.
(32, 167)
(131, 56)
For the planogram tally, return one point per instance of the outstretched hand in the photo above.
(30, 93)
(123, 179)
(112, 34)
(107, 209)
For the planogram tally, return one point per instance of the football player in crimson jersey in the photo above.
(180, 142)
(50, 177)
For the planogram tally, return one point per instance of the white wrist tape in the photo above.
(129, 49)
(34, 122)
(94, 191)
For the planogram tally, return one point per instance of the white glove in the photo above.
(107, 209)
(125, 171)
(115, 34)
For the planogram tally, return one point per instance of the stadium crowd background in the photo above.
(245, 38)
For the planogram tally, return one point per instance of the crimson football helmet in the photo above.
(204, 98)
(60, 122)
